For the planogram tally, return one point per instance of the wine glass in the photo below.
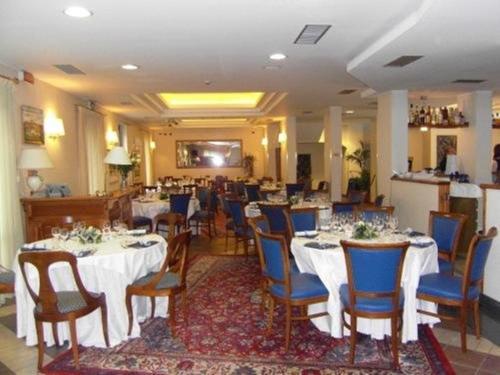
(116, 225)
(393, 223)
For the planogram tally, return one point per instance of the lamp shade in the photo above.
(54, 127)
(451, 164)
(118, 156)
(35, 158)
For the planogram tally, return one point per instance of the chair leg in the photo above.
(215, 227)
(477, 320)
(270, 315)
(236, 242)
(245, 246)
(153, 306)
(227, 240)
(354, 333)
(55, 333)
(394, 341)
(171, 308)
(288, 326)
(74, 342)
(128, 303)
(104, 322)
(185, 307)
(41, 343)
(463, 327)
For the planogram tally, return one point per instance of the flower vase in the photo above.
(124, 181)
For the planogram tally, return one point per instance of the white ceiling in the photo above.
(179, 44)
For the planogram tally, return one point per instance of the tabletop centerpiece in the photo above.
(364, 231)
(89, 235)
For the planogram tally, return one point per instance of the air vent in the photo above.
(311, 34)
(469, 81)
(69, 69)
(403, 61)
(347, 91)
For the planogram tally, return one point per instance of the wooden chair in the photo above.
(446, 229)
(292, 189)
(344, 207)
(261, 224)
(460, 292)
(170, 222)
(7, 280)
(206, 216)
(242, 231)
(373, 287)
(54, 307)
(301, 219)
(179, 204)
(229, 226)
(286, 287)
(169, 281)
(275, 213)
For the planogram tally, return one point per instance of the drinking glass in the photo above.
(393, 223)
(55, 231)
(116, 225)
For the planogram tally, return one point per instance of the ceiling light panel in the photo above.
(277, 56)
(77, 12)
(226, 100)
(69, 69)
(403, 61)
(311, 34)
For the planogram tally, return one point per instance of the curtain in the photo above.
(92, 149)
(11, 227)
(148, 165)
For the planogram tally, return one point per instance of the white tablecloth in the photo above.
(109, 270)
(330, 267)
(155, 207)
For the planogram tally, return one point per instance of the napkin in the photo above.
(321, 246)
(34, 247)
(307, 233)
(136, 232)
(421, 242)
(413, 233)
(142, 244)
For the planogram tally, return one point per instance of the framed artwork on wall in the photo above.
(443, 144)
(32, 120)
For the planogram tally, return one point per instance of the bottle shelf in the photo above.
(439, 126)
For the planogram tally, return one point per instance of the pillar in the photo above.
(289, 149)
(392, 138)
(272, 131)
(475, 152)
(332, 121)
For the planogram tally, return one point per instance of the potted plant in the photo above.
(247, 163)
(360, 157)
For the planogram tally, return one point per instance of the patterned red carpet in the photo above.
(225, 334)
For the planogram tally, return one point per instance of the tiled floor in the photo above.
(483, 356)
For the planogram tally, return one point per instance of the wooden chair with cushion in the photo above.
(54, 307)
(169, 281)
(446, 229)
(169, 222)
(206, 216)
(243, 233)
(275, 213)
(301, 219)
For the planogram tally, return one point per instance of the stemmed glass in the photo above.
(64, 236)
(393, 223)
(106, 231)
(55, 232)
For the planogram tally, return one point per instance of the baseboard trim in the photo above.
(490, 306)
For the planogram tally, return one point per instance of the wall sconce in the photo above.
(424, 129)
(264, 142)
(282, 137)
(111, 139)
(54, 127)
(152, 145)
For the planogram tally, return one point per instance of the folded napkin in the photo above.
(34, 246)
(136, 232)
(421, 245)
(413, 233)
(307, 233)
(84, 253)
(421, 242)
(142, 244)
(321, 245)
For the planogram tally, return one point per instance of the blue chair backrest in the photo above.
(203, 197)
(303, 220)
(252, 192)
(237, 212)
(292, 189)
(480, 255)
(343, 208)
(444, 230)
(371, 215)
(262, 223)
(375, 269)
(213, 200)
(179, 203)
(239, 188)
(224, 204)
(275, 215)
(274, 257)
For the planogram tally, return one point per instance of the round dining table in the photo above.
(151, 207)
(329, 265)
(115, 264)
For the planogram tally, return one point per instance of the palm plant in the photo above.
(361, 157)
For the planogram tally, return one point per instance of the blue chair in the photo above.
(253, 192)
(179, 204)
(275, 214)
(229, 226)
(460, 292)
(292, 189)
(356, 196)
(344, 207)
(289, 288)
(446, 228)
(370, 213)
(373, 290)
(301, 219)
(206, 216)
(242, 231)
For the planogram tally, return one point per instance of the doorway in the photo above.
(303, 166)
(277, 155)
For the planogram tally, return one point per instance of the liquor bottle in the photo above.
(444, 111)
(428, 115)
(415, 115)
(462, 118)
(434, 116)
(457, 116)
(451, 116)
(421, 117)
(411, 115)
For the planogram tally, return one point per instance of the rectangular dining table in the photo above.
(109, 270)
(329, 265)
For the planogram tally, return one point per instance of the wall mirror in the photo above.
(209, 154)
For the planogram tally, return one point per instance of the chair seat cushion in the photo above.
(168, 280)
(303, 285)
(445, 266)
(7, 276)
(68, 301)
(382, 304)
(445, 286)
(141, 220)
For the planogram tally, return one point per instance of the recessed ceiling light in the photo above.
(349, 112)
(277, 56)
(130, 67)
(77, 12)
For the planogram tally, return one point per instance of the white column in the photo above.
(392, 138)
(289, 150)
(333, 150)
(272, 131)
(475, 152)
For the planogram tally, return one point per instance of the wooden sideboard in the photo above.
(41, 214)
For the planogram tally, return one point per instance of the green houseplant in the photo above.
(360, 157)
(247, 163)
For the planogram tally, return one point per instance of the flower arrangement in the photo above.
(89, 235)
(294, 199)
(364, 231)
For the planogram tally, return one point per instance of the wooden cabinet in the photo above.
(41, 214)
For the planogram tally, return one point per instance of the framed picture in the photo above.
(32, 120)
(443, 144)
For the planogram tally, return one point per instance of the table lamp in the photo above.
(119, 157)
(451, 164)
(33, 159)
